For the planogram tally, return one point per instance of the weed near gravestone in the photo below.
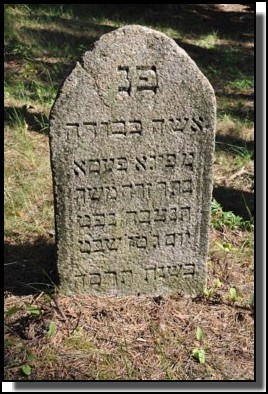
(199, 352)
(221, 219)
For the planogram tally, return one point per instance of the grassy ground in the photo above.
(49, 336)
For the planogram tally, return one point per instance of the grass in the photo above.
(26, 209)
(135, 339)
(124, 338)
(221, 219)
(243, 83)
(208, 41)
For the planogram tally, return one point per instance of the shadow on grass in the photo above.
(67, 30)
(238, 106)
(72, 43)
(30, 267)
(194, 18)
(36, 121)
(232, 143)
(219, 62)
(240, 96)
(241, 203)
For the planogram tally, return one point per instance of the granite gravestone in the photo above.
(132, 141)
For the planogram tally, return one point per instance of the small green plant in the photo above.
(199, 353)
(232, 296)
(209, 292)
(218, 283)
(221, 219)
(26, 370)
(34, 310)
(51, 329)
(231, 220)
(199, 334)
(226, 246)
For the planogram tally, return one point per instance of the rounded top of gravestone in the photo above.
(138, 52)
(132, 72)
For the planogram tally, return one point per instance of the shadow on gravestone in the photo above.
(132, 136)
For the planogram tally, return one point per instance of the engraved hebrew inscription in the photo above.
(133, 80)
(132, 141)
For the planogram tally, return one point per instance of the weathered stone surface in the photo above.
(132, 140)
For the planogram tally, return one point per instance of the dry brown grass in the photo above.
(138, 338)
(131, 339)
